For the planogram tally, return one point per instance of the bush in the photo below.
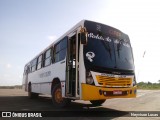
(148, 85)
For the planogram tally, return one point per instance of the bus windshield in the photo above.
(105, 50)
(100, 53)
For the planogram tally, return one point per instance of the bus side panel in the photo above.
(41, 79)
(35, 88)
(45, 88)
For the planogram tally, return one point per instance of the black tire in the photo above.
(57, 99)
(97, 102)
(31, 95)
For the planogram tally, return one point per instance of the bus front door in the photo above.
(71, 82)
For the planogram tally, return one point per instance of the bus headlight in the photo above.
(89, 78)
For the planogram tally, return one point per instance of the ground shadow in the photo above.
(44, 104)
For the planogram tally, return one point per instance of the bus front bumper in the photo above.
(90, 92)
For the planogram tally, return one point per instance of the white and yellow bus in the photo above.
(91, 61)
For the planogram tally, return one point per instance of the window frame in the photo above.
(56, 53)
(34, 65)
(49, 57)
(40, 62)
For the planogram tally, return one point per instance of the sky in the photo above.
(28, 26)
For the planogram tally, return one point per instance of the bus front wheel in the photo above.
(57, 99)
(97, 102)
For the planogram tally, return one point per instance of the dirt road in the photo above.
(17, 100)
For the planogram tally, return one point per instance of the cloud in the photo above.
(8, 65)
(52, 38)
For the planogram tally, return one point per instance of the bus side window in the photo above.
(28, 69)
(56, 52)
(39, 64)
(33, 65)
(47, 58)
(60, 50)
(63, 49)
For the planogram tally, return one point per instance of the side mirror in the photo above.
(83, 38)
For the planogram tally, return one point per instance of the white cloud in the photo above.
(52, 38)
(8, 65)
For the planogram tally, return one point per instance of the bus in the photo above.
(91, 62)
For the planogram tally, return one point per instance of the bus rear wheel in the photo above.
(97, 102)
(57, 99)
(31, 95)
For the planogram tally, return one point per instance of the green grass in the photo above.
(148, 86)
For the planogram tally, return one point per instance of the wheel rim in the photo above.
(58, 96)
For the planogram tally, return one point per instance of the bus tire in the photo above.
(57, 99)
(31, 95)
(97, 102)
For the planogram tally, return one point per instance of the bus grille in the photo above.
(113, 81)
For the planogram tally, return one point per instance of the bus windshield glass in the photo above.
(107, 49)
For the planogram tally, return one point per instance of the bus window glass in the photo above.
(39, 66)
(47, 58)
(62, 54)
(63, 44)
(60, 50)
(48, 53)
(33, 65)
(47, 61)
(57, 48)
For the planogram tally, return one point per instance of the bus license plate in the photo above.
(117, 92)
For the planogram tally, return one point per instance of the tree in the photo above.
(149, 83)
